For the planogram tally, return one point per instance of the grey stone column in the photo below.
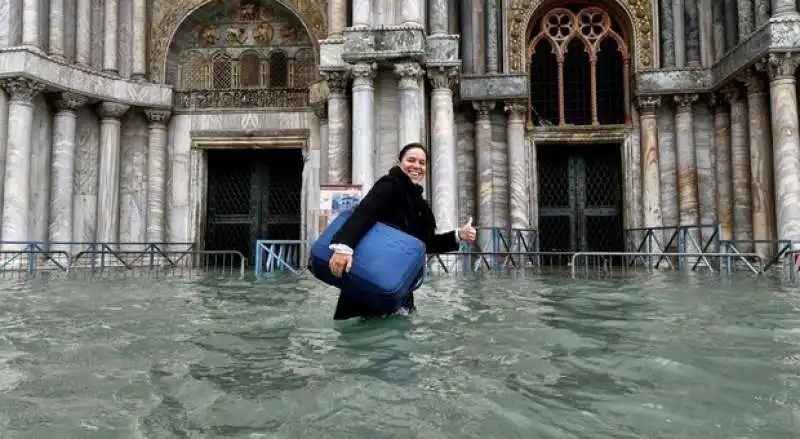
(108, 171)
(321, 112)
(722, 149)
(411, 13)
(745, 12)
(337, 18)
(83, 32)
(740, 168)
(63, 170)
(111, 37)
(338, 128)
(484, 172)
(782, 8)
(467, 36)
(409, 97)
(692, 33)
(364, 124)
(17, 186)
(157, 175)
(687, 164)
(718, 15)
(651, 176)
(667, 35)
(731, 24)
(492, 13)
(362, 12)
(519, 195)
(679, 32)
(438, 17)
(444, 163)
(139, 52)
(30, 22)
(56, 48)
(785, 142)
(761, 180)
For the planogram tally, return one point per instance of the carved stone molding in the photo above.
(443, 77)
(517, 109)
(648, 104)
(158, 116)
(169, 14)
(638, 13)
(69, 101)
(21, 89)
(409, 70)
(112, 110)
(685, 102)
(363, 71)
(779, 65)
(337, 80)
(482, 109)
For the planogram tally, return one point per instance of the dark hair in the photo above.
(409, 147)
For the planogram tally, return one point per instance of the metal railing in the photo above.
(684, 246)
(604, 261)
(91, 259)
(792, 265)
(280, 255)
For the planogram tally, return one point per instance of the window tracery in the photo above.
(579, 69)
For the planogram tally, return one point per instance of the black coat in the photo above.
(396, 201)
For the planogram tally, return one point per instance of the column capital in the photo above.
(321, 111)
(685, 101)
(716, 101)
(516, 108)
(752, 81)
(363, 71)
(69, 101)
(22, 89)
(409, 70)
(730, 93)
(337, 80)
(157, 116)
(483, 108)
(647, 104)
(112, 110)
(779, 65)
(442, 77)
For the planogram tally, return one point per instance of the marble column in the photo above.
(467, 51)
(784, 8)
(338, 128)
(411, 13)
(740, 168)
(745, 12)
(109, 171)
(731, 24)
(679, 32)
(687, 166)
(17, 186)
(157, 175)
(692, 33)
(139, 52)
(519, 197)
(364, 124)
(56, 48)
(30, 22)
(111, 37)
(321, 112)
(722, 149)
(761, 182)
(668, 165)
(438, 17)
(83, 32)
(667, 36)
(718, 15)
(63, 170)
(362, 12)
(492, 12)
(785, 142)
(337, 18)
(444, 163)
(651, 177)
(409, 97)
(484, 172)
(761, 9)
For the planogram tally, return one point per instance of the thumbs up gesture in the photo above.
(467, 232)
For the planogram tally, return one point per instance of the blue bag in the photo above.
(388, 264)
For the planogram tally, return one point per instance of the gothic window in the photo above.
(579, 69)
(222, 73)
(278, 69)
(194, 71)
(249, 69)
(303, 67)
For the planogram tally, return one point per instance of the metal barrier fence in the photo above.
(96, 259)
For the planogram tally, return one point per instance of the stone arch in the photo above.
(310, 13)
(634, 15)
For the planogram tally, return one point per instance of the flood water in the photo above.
(655, 356)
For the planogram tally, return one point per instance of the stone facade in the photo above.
(105, 115)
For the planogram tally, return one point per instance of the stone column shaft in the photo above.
(731, 24)
(722, 148)
(438, 17)
(337, 17)
(484, 172)
(740, 168)
(363, 125)
(139, 52)
(679, 32)
(338, 129)
(651, 177)
(783, 8)
(667, 35)
(444, 163)
(518, 190)
(17, 187)
(63, 170)
(745, 12)
(30, 22)
(56, 48)
(83, 32)
(411, 13)
(785, 142)
(687, 164)
(761, 9)
(362, 12)
(108, 171)
(718, 15)
(492, 36)
(321, 112)
(157, 175)
(409, 97)
(111, 36)
(692, 33)
(467, 37)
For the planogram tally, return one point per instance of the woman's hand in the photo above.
(340, 263)
(467, 232)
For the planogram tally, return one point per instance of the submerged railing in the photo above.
(92, 259)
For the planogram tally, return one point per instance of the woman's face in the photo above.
(414, 164)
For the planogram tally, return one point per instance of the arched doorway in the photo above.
(252, 57)
(579, 65)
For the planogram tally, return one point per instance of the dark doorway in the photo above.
(580, 197)
(252, 195)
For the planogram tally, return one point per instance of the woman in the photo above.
(396, 200)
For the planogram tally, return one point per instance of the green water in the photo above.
(670, 356)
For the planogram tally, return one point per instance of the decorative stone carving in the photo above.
(263, 33)
(70, 101)
(21, 89)
(384, 43)
(363, 70)
(731, 93)
(172, 13)
(337, 80)
(752, 81)
(112, 110)
(779, 65)
(321, 111)
(516, 108)
(483, 108)
(408, 72)
(443, 77)
(648, 104)
(209, 35)
(520, 13)
(158, 116)
(685, 101)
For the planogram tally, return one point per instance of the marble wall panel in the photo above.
(87, 160)
(178, 178)
(133, 178)
(41, 146)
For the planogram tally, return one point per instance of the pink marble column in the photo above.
(338, 128)
(722, 149)
(740, 168)
(651, 178)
